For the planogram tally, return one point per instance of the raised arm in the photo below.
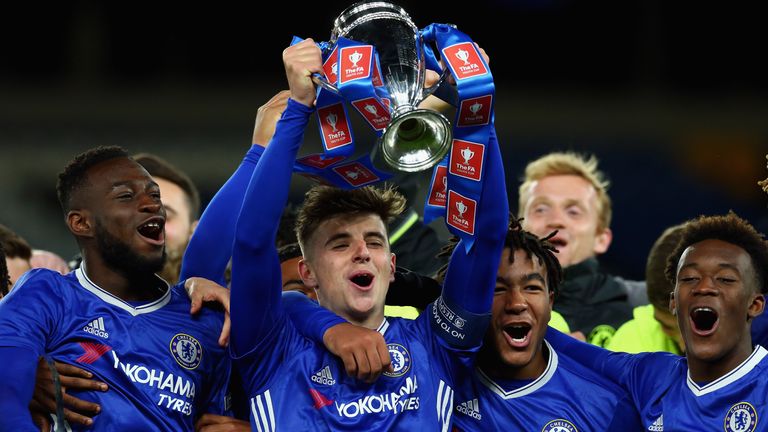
(210, 247)
(256, 282)
(471, 276)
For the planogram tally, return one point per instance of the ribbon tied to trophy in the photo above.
(375, 63)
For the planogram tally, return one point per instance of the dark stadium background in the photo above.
(671, 96)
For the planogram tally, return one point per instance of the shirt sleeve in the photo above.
(256, 306)
(218, 400)
(461, 314)
(210, 247)
(17, 382)
(28, 317)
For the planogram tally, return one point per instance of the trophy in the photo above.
(415, 139)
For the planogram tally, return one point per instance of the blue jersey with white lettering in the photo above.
(164, 368)
(295, 383)
(299, 385)
(566, 397)
(668, 399)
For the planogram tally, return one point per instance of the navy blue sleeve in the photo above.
(310, 319)
(461, 314)
(210, 247)
(18, 382)
(256, 281)
(612, 365)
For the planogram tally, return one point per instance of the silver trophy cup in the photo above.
(415, 139)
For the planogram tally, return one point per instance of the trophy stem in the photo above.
(411, 129)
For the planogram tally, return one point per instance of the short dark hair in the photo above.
(519, 239)
(159, 167)
(289, 251)
(325, 202)
(74, 176)
(728, 228)
(5, 278)
(14, 245)
(659, 287)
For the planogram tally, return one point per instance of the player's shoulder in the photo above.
(209, 313)
(45, 281)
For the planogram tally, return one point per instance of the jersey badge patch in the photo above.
(559, 425)
(186, 350)
(401, 360)
(742, 417)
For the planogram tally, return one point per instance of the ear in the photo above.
(307, 274)
(392, 267)
(193, 227)
(603, 240)
(756, 307)
(80, 224)
(672, 304)
(551, 299)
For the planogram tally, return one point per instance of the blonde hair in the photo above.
(569, 163)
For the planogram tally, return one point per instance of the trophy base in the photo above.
(414, 141)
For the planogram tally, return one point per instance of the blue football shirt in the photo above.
(164, 367)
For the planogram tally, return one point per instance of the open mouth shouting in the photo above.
(363, 280)
(518, 335)
(558, 242)
(152, 230)
(704, 320)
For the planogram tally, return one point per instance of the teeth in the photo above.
(704, 309)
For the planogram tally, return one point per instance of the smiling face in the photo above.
(349, 263)
(122, 204)
(569, 204)
(522, 305)
(715, 299)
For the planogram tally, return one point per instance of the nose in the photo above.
(514, 302)
(555, 218)
(361, 252)
(706, 286)
(150, 204)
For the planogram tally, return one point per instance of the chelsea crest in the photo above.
(186, 350)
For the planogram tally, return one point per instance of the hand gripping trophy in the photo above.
(415, 139)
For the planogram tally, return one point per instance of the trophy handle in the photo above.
(429, 90)
(323, 82)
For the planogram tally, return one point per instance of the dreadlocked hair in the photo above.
(519, 239)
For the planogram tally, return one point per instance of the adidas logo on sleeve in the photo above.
(470, 408)
(324, 377)
(96, 328)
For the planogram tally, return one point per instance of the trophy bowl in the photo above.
(415, 139)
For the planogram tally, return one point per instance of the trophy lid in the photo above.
(365, 11)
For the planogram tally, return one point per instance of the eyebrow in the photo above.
(151, 184)
(526, 278)
(534, 276)
(345, 235)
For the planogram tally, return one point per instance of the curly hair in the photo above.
(325, 202)
(519, 239)
(728, 228)
(74, 175)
